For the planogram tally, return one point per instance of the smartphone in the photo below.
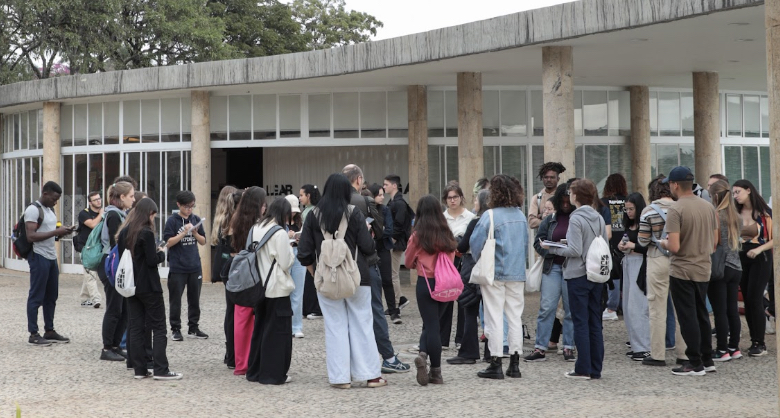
(297, 235)
(161, 243)
(369, 219)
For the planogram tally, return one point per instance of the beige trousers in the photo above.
(657, 297)
(397, 256)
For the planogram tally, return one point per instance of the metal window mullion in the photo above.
(252, 116)
(758, 151)
(742, 162)
(387, 114)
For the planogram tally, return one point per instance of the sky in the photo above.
(404, 17)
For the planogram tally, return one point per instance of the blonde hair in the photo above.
(116, 191)
(225, 208)
(723, 201)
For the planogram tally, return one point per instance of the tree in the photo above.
(326, 23)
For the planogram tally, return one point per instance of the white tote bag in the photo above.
(485, 269)
(533, 276)
(125, 278)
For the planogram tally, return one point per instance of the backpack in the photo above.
(111, 265)
(244, 286)
(337, 275)
(221, 256)
(598, 260)
(23, 247)
(124, 276)
(448, 285)
(93, 249)
(662, 214)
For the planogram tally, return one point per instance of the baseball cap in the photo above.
(679, 173)
(293, 199)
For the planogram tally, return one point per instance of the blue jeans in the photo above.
(613, 296)
(44, 289)
(585, 306)
(298, 273)
(553, 288)
(381, 334)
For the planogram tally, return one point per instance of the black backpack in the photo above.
(22, 246)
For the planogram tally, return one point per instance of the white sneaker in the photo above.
(609, 316)
(288, 380)
(298, 334)
(770, 326)
(313, 316)
(415, 349)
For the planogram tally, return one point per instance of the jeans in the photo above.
(381, 334)
(724, 297)
(636, 314)
(115, 318)
(504, 299)
(585, 307)
(147, 311)
(89, 289)
(553, 288)
(270, 353)
(431, 312)
(44, 289)
(230, 332)
(176, 284)
(613, 296)
(688, 297)
(350, 348)
(756, 273)
(298, 273)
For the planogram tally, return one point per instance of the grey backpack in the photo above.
(245, 287)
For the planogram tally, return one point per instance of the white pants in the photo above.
(499, 298)
(350, 348)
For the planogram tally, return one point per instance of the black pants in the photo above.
(115, 318)
(469, 344)
(270, 352)
(432, 312)
(755, 276)
(176, 284)
(689, 300)
(386, 271)
(445, 326)
(557, 329)
(724, 299)
(230, 351)
(311, 305)
(147, 312)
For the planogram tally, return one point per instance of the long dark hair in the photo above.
(278, 212)
(137, 221)
(756, 201)
(248, 212)
(639, 201)
(433, 234)
(313, 192)
(335, 199)
(557, 200)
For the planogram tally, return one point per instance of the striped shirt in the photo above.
(650, 222)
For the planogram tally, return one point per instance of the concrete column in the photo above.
(772, 24)
(706, 126)
(201, 171)
(471, 166)
(558, 98)
(52, 156)
(640, 139)
(417, 102)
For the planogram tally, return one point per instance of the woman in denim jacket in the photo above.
(506, 293)
(553, 228)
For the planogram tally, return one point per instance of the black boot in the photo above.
(486, 357)
(514, 365)
(494, 369)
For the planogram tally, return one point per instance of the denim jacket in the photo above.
(544, 232)
(511, 233)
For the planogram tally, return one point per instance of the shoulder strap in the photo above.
(40, 212)
(662, 214)
(491, 233)
(539, 202)
(268, 235)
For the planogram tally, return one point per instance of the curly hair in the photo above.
(505, 192)
(657, 190)
(615, 186)
(551, 166)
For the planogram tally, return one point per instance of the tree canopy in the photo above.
(46, 38)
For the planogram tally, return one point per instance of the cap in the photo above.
(679, 173)
(293, 199)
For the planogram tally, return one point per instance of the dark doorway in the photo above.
(244, 167)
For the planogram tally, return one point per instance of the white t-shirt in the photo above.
(43, 248)
(459, 224)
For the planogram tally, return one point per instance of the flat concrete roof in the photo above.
(550, 25)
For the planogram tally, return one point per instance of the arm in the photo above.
(541, 235)
(410, 257)
(281, 250)
(534, 219)
(463, 245)
(766, 245)
(363, 240)
(574, 242)
(306, 246)
(200, 234)
(34, 236)
(672, 243)
(92, 223)
(151, 255)
(645, 229)
(171, 235)
(479, 236)
(113, 223)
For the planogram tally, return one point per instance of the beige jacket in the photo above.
(280, 283)
(535, 212)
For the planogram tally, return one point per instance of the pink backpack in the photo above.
(449, 285)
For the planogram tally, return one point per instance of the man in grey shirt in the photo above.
(44, 272)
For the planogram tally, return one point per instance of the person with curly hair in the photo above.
(549, 174)
(614, 198)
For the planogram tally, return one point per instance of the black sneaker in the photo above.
(688, 370)
(396, 318)
(649, 361)
(143, 376)
(537, 355)
(574, 375)
(196, 333)
(176, 335)
(38, 341)
(640, 355)
(757, 350)
(110, 355)
(387, 312)
(55, 338)
(568, 355)
(168, 376)
(121, 351)
(402, 302)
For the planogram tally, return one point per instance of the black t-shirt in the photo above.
(84, 231)
(616, 205)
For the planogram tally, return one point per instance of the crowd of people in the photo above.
(678, 255)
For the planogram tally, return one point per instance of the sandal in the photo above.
(341, 385)
(376, 383)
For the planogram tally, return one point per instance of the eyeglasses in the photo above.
(626, 210)
(568, 192)
(190, 206)
(97, 199)
(453, 197)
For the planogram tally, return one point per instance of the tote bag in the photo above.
(484, 271)
(533, 277)
(448, 286)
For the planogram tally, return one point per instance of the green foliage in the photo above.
(326, 23)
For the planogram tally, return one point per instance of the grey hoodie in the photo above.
(584, 223)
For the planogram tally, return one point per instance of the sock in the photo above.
(392, 360)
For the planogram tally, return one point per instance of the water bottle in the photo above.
(59, 224)
(624, 241)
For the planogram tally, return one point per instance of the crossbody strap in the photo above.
(260, 245)
(491, 231)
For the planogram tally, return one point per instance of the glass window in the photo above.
(96, 174)
(33, 126)
(732, 158)
(111, 118)
(186, 119)
(537, 113)
(218, 118)
(240, 117)
(319, 115)
(597, 164)
(345, 115)
(513, 113)
(579, 162)
(687, 156)
(451, 113)
(653, 161)
(750, 165)
(594, 113)
(669, 113)
(490, 110)
(490, 161)
(764, 117)
(95, 132)
(752, 114)
(131, 121)
(513, 161)
(620, 162)
(66, 126)
(40, 130)
(668, 158)
(686, 113)
(653, 113)
(435, 114)
(619, 113)
(171, 121)
(17, 131)
(766, 179)
(577, 113)
(733, 115)
(397, 114)
(264, 116)
(373, 115)
(537, 159)
(80, 125)
(150, 120)
(451, 158)
(290, 116)
(24, 131)
(435, 169)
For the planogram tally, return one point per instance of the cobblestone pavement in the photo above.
(69, 380)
